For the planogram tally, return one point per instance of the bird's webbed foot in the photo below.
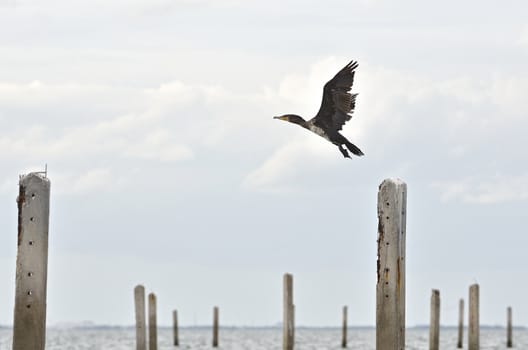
(343, 151)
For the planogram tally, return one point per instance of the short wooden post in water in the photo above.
(509, 341)
(29, 326)
(215, 327)
(153, 323)
(434, 326)
(473, 326)
(345, 327)
(460, 323)
(175, 328)
(141, 330)
(390, 287)
(288, 310)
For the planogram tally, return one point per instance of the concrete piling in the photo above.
(288, 313)
(153, 323)
(474, 323)
(29, 325)
(509, 335)
(434, 326)
(345, 328)
(175, 334)
(460, 324)
(390, 287)
(141, 330)
(215, 327)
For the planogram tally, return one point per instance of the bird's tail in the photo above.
(354, 149)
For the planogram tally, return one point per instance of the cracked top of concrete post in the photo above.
(33, 177)
(394, 180)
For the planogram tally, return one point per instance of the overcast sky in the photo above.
(167, 169)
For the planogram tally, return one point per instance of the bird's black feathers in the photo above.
(336, 109)
(338, 103)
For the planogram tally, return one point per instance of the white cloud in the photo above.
(508, 93)
(496, 189)
(291, 164)
(117, 7)
(523, 39)
(142, 133)
(7, 3)
(164, 124)
(90, 181)
(8, 185)
(158, 7)
(158, 145)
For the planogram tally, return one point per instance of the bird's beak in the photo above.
(281, 118)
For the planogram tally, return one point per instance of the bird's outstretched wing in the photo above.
(338, 104)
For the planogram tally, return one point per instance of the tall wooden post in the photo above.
(390, 287)
(141, 330)
(345, 328)
(175, 328)
(215, 327)
(460, 323)
(474, 326)
(29, 326)
(153, 323)
(434, 326)
(509, 341)
(287, 323)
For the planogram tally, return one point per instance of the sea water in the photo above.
(260, 339)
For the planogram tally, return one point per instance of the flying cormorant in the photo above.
(336, 109)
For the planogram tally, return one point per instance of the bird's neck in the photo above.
(300, 121)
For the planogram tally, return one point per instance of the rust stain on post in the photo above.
(398, 278)
(381, 233)
(21, 199)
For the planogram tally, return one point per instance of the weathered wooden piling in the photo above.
(390, 287)
(215, 327)
(509, 335)
(29, 326)
(460, 323)
(293, 324)
(175, 334)
(345, 328)
(153, 323)
(288, 311)
(141, 330)
(434, 326)
(473, 325)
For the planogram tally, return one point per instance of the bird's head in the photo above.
(292, 118)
